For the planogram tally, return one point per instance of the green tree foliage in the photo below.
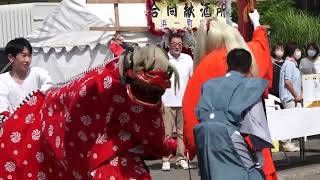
(287, 24)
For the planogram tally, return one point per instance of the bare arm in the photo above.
(4, 107)
(288, 84)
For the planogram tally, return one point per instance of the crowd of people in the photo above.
(212, 111)
(288, 68)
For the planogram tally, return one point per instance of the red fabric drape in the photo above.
(244, 24)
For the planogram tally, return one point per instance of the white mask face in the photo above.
(297, 54)
(279, 53)
(311, 53)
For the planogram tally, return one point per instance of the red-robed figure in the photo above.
(214, 40)
(98, 126)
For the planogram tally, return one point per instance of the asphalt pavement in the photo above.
(289, 166)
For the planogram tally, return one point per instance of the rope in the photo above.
(78, 76)
(7, 65)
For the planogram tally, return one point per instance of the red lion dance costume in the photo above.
(212, 65)
(98, 126)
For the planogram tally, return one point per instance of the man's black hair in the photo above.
(239, 60)
(175, 35)
(16, 46)
(277, 45)
(315, 46)
(290, 49)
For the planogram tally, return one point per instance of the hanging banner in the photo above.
(185, 14)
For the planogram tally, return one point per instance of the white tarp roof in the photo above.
(68, 26)
(65, 46)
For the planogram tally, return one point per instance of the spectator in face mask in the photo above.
(277, 61)
(290, 85)
(311, 63)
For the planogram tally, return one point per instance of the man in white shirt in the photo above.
(21, 79)
(172, 99)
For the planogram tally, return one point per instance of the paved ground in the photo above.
(292, 169)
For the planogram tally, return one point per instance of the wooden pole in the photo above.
(115, 1)
(120, 29)
(116, 15)
(117, 27)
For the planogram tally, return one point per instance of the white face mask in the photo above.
(297, 54)
(311, 53)
(279, 53)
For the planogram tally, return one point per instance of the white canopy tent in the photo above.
(64, 45)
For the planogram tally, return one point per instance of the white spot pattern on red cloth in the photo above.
(58, 142)
(136, 127)
(94, 155)
(10, 166)
(139, 169)
(35, 135)
(101, 139)
(50, 111)
(82, 136)
(43, 125)
(108, 116)
(107, 82)
(15, 137)
(61, 98)
(86, 120)
(137, 109)
(50, 130)
(83, 91)
(114, 162)
(124, 162)
(32, 101)
(118, 99)
(124, 118)
(124, 136)
(40, 157)
(93, 135)
(30, 118)
(76, 175)
(156, 123)
(115, 148)
(68, 118)
(41, 176)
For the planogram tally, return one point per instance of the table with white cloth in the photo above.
(294, 123)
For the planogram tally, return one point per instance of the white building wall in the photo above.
(19, 20)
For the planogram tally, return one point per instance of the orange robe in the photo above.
(214, 65)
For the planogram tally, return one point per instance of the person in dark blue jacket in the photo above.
(228, 106)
